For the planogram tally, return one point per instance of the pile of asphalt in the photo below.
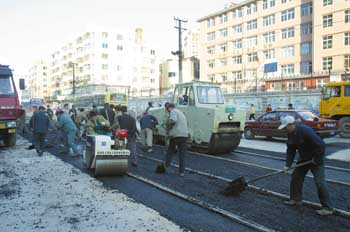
(278, 183)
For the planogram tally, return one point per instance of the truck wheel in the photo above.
(344, 126)
(248, 133)
(10, 140)
(236, 140)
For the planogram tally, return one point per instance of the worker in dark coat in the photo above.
(311, 148)
(40, 123)
(108, 114)
(147, 123)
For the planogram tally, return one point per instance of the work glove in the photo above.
(286, 170)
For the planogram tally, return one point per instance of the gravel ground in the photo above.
(46, 194)
(263, 209)
(278, 183)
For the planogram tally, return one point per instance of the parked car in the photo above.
(267, 125)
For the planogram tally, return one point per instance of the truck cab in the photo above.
(9, 106)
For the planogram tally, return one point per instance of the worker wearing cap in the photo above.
(310, 147)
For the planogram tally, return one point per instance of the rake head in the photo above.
(235, 187)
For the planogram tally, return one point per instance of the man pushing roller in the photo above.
(310, 147)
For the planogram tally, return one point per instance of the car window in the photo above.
(307, 115)
(282, 115)
(347, 91)
(269, 117)
(191, 97)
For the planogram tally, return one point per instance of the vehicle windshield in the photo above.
(6, 86)
(307, 115)
(210, 95)
(333, 91)
(118, 97)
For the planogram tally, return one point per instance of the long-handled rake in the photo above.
(240, 184)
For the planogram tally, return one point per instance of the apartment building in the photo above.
(191, 44)
(38, 79)
(104, 57)
(249, 43)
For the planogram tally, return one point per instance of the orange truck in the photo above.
(9, 106)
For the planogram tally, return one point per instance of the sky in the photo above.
(32, 29)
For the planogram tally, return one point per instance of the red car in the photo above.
(267, 124)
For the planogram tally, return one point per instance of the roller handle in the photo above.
(280, 171)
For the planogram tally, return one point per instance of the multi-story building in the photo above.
(191, 44)
(248, 43)
(38, 80)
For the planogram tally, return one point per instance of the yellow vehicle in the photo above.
(335, 104)
(100, 99)
(117, 99)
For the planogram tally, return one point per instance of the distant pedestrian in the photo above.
(65, 123)
(252, 112)
(268, 108)
(290, 106)
(178, 134)
(40, 123)
(129, 123)
(147, 123)
(310, 148)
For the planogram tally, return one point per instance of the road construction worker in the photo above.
(81, 121)
(178, 134)
(147, 124)
(40, 122)
(310, 147)
(97, 125)
(65, 123)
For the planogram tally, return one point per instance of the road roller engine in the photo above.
(106, 156)
(214, 127)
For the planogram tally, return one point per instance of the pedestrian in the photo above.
(290, 106)
(97, 125)
(32, 146)
(81, 121)
(150, 105)
(66, 108)
(310, 147)
(108, 114)
(268, 108)
(148, 122)
(129, 123)
(252, 112)
(65, 123)
(178, 134)
(40, 123)
(49, 112)
(21, 128)
(73, 113)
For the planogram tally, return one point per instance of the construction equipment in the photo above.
(240, 184)
(335, 104)
(214, 127)
(102, 159)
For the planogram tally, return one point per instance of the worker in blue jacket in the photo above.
(311, 148)
(65, 123)
(40, 123)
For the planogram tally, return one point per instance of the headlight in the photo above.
(11, 124)
(230, 117)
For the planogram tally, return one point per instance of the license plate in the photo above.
(2, 126)
(12, 131)
(329, 124)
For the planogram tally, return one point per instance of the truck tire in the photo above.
(10, 140)
(248, 133)
(344, 126)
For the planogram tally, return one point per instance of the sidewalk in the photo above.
(46, 194)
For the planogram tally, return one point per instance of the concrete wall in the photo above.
(309, 100)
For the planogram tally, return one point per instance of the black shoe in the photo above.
(31, 147)
(161, 169)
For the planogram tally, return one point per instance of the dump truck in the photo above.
(214, 127)
(9, 106)
(335, 104)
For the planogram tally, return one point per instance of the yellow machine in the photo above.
(117, 99)
(335, 104)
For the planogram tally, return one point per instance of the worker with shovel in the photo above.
(311, 148)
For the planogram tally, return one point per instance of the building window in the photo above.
(347, 38)
(211, 22)
(347, 61)
(288, 33)
(237, 44)
(328, 20)
(251, 74)
(287, 51)
(252, 57)
(252, 41)
(249, 10)
(306, 67)
(265, 4)
(211, 36)
(223, 32)
(269, 20)
(283, 1)
(237, 75)
(223, 18)
(104, 66)
(104, 45)
(268, 3)
(287, 15)
(306, 29)
(305, 49)
(237, 60)
(347, 16)
(327, 63)
(252, 24)
(104, 56)
(327, 41)
(223, 47)
(255, 8)
(104, 35)
(237, 28)
(327, 2)
(211, 50)
(288, 69)
(119, 37)
(223, 77)
(211, 63)
(223, 61)
(272, 3)
(237, 13)
(269, 54)
(306, 9)
(269, 37)
(119, 47)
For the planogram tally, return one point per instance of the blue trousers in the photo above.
(71, 140)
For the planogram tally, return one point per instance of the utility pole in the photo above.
(73, 66)
(180, 28)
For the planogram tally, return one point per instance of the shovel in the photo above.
(240, 184)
